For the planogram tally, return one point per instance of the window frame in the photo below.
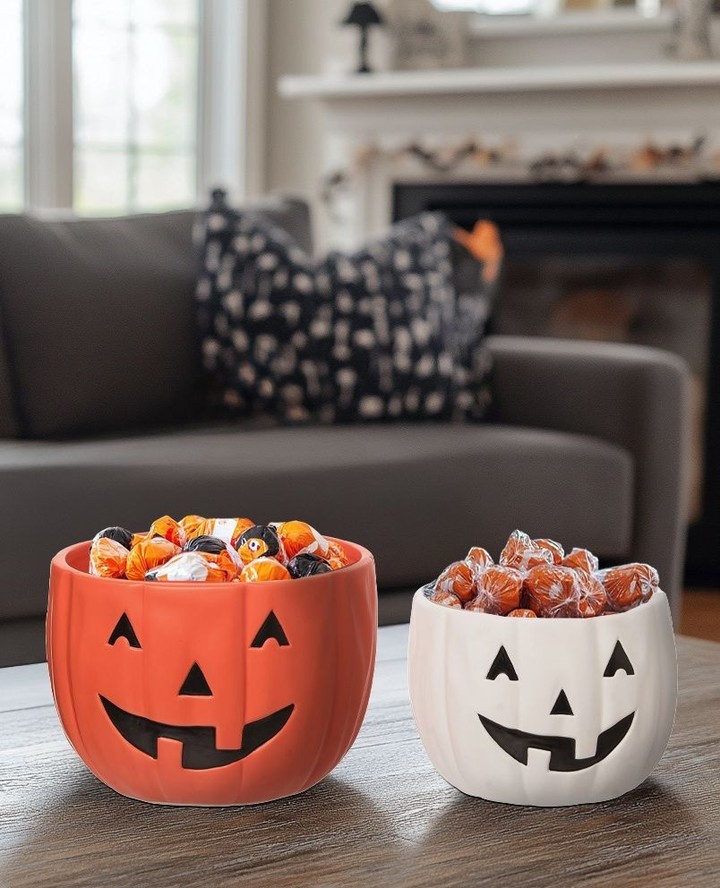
(230, 88)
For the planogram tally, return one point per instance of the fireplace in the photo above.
(622, 262)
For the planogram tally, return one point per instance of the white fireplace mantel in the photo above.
(479, 81)
(544, 108)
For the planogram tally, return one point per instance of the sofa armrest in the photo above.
(632, 396)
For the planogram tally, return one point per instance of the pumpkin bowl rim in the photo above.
(60, 562)
(421, 596)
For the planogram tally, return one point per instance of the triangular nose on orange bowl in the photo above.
(211, 693)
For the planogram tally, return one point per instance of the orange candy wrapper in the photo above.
(259, 541)
(263, 569)
(336, 556)
(168, 528)
(522, 612)
(300, 538)
(150, 553)
(108, 558)
(228, 529)
(191, 524)
(212, 550)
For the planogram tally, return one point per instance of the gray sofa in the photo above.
(101, 423)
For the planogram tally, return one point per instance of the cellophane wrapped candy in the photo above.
(535, 578)
(628, 585)
(499, 590)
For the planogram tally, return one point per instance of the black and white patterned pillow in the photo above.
(377, 335)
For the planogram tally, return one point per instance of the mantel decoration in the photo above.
(363, 16)
(692, 40)
(425, 38)
(683, 160)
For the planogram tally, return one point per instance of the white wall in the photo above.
(304, 37)
(298, 34)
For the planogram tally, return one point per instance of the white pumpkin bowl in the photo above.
(497, 738)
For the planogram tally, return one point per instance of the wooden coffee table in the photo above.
(382, 818)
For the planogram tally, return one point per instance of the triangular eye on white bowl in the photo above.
(543, 712)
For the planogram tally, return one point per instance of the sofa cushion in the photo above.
(417, 495)
(98, 317)
(9, 426)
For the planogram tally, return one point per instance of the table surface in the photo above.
(382, 817)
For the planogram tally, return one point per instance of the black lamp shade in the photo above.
(364, 15)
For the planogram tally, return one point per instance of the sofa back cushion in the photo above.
(9, 427)
(98, 319)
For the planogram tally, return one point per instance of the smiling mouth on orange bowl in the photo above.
(199, 749)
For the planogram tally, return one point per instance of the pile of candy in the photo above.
(535, 578)
(214, 550)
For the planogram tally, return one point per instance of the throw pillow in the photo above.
(377, 335)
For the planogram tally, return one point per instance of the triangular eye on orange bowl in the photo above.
(554, 711)
(285, 666)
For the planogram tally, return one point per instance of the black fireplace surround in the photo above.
(645, 221)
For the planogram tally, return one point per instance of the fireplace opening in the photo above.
(636, 263)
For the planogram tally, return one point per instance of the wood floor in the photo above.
(701, 613)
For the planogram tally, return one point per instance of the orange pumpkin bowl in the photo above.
(211, 694)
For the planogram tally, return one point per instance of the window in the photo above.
(11, 105)
(135, 104)
(105, 107)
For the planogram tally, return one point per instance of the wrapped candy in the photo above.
(522, 612)
(446, 598)
(581, 559)
(147, 554)
(593, 598)
(297, 538)
(498, 590)
(191, 524)
(108, 558)
(217, 551)
(523, 553)
(119, 534)
(187, 567)
(479, 557)
(228, 529)
(263, 569)
(628, 585)
(555, 549)
(552, 591)
(168, 528)
(336, 555)
(258, 541)
(460, 579)
(307, 565)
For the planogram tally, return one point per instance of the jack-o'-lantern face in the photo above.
(199, 749)
(543, 712)
(518, 744)
(225, 694)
